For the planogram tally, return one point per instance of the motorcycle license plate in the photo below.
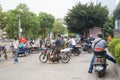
(99, 68)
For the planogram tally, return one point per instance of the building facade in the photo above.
(110, 4)
(117, 22)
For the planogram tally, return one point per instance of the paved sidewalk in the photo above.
(30, 68)
(117, 69)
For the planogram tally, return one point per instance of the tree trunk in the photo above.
(86, 32)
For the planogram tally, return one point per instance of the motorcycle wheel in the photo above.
(43, 58)
(76, 52)
(65, 58)
(90, 51)
(100, 74)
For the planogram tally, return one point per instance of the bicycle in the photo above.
(47, 54)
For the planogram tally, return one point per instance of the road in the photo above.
(30, 68)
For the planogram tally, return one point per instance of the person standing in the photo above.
(40, 42)
(16, 49)
(109, 38)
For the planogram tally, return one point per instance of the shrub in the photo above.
(117, 52)
(114, 48)
(112, 44)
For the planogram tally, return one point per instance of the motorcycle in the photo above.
(87, 47)
(47, 54)
(76, 50)
(100, 63)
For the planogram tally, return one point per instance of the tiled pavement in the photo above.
(30, 68)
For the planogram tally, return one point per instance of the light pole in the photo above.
(19, 26)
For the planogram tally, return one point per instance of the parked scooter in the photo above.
(100, 61)
(76, 50)
(87, 47)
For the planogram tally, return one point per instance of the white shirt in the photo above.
(72, 40)
(15, 44)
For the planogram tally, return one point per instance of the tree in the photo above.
(22, 12)
(29, 22)
(58, 28)
(85, 16)
(12, 24)
(109, 27)
(33, 26)
(2, 19)
(46, 23)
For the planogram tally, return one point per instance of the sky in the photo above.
(57, 8)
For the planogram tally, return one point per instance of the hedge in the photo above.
(114, 48)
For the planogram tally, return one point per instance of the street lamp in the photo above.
(19, 26)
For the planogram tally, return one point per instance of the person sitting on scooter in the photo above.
(99, 43)
(86, 44)
(58, 47)
(72, 42)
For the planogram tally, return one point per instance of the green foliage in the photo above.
(2, 18)
(117, 52)
(85, 16)
(109, 27)
(114, 48)
(112, 44)
(29, 22)
(12, 24)
(46, 23)
(58, 28)
(33, 26)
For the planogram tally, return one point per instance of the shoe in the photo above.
(115, 62)
(89, 71)
(52, 62)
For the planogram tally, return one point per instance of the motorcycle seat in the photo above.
(66, 50)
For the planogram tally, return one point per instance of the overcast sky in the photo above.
(57, 8)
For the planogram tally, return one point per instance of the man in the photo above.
(62, 42)
(40, 42)
(72, 42)
(15, 50)
(99, 43)
(58, 46)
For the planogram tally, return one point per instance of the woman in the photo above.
(15, 50)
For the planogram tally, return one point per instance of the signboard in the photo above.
(95, 31)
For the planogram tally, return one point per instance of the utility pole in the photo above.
(19, 26)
